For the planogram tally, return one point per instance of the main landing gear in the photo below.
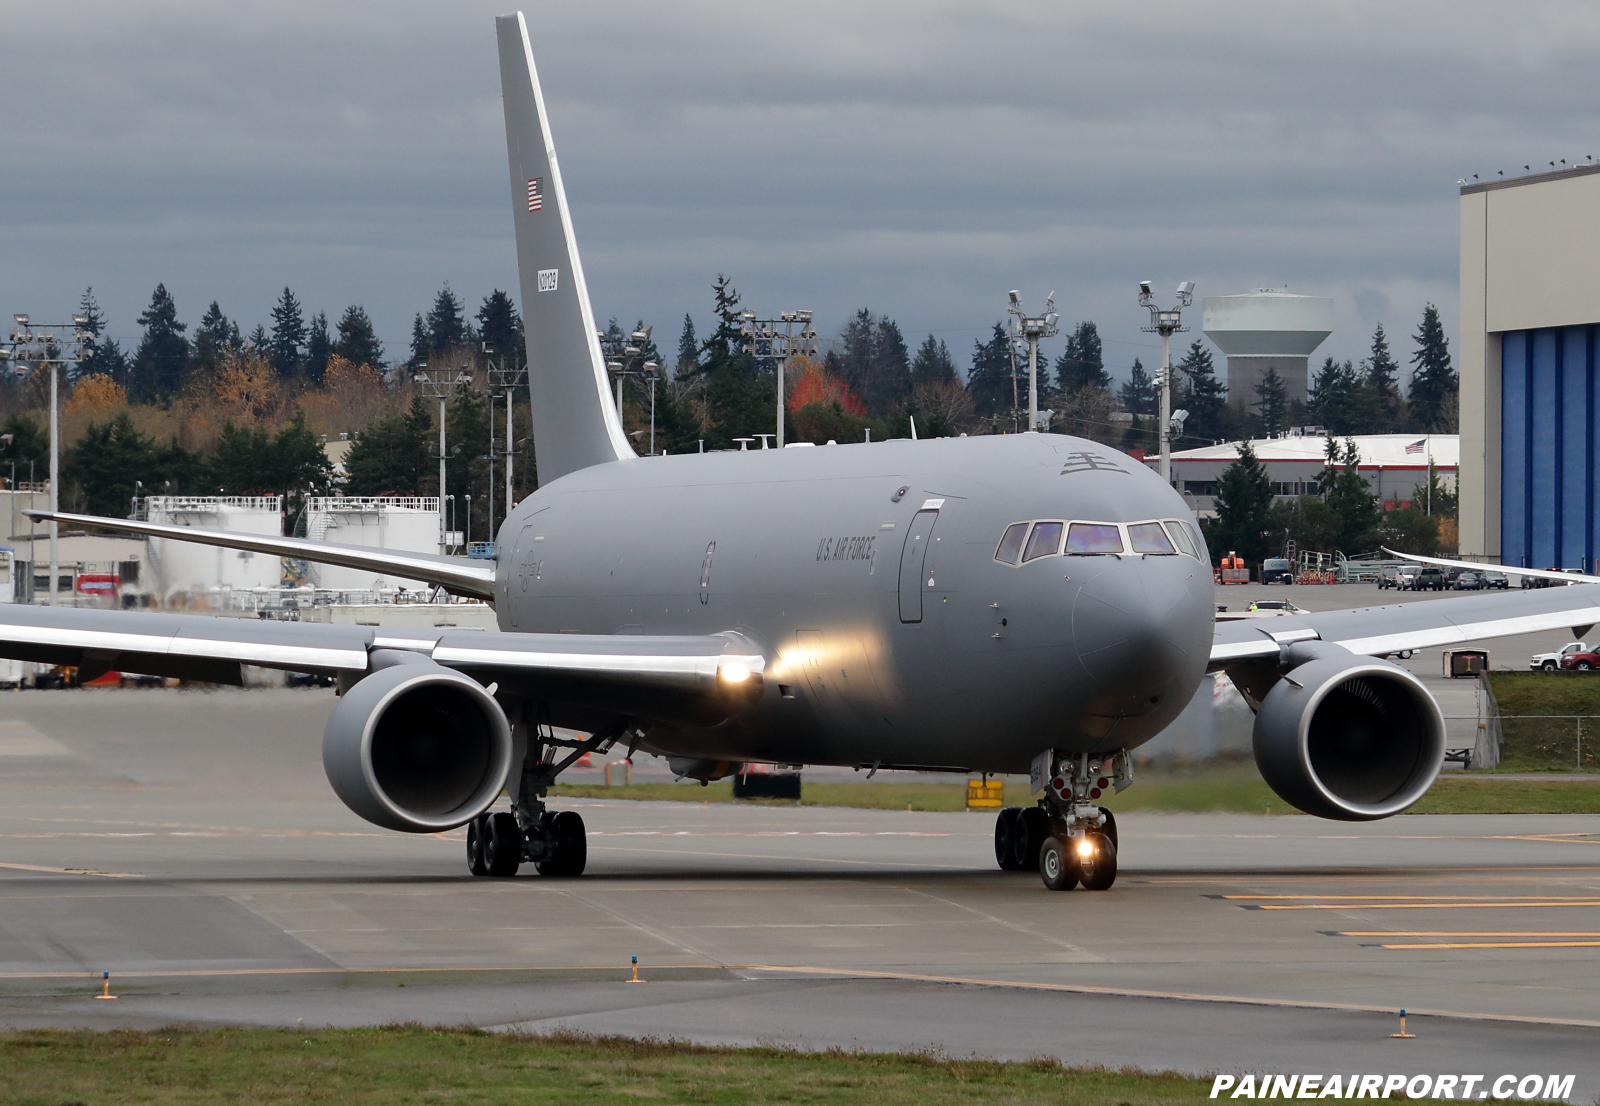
(1066, 837)
(500, 842)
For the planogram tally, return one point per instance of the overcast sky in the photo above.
(918, 158)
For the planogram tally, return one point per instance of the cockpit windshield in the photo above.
(1028, 541)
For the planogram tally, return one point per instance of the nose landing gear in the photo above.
(1066, 838)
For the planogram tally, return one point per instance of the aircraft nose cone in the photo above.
(1141, 627)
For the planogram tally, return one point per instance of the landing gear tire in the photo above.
(1005, 838)
(1056, 867)
(1098, 869)
(567, 846)
(477, 838)
(502, 852)
(1031, 828)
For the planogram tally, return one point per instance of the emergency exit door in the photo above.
(913, 556)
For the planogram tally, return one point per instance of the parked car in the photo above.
(1429, 578)
(1406, 578)
(1550, 662)
(1467, 581)
(1395, 576)
(1493, 580)
(1586, 661)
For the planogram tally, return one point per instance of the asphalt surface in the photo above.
(187, 843)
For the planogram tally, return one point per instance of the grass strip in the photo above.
(411, 1064)
(1239, 790)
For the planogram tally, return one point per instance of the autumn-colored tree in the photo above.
(95, 395)
(813, 384)
(246, 389)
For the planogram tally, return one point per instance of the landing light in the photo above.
(1085, 848)
(735, 673)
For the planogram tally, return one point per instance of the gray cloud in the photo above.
(915, 158)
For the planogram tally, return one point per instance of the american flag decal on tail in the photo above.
(535, 200)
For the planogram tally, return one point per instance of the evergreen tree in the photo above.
(933, 364)
(1204, 396)
(447, 323)
(1272, 404)
(741, 398)
(1335, 400)
(106, 462)
(29, 444)
(391, 455)
(1380, 388)
(163, 354)
(1138, 395)
(500, 328)
(288, 334)
(1349, 498)
(253, 461)
(989, 380)
(319, 346)
(1432, 401)
(467, 432)
(88, 365)
(211, 337)
(1244, 496)
(874, 361)
(419, 343)
(260, 344)
(688, 352)
(358, 341)
(1081, 364)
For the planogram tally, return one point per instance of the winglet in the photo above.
(575, 422)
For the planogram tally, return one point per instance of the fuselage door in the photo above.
(912, 556)
(524, 572)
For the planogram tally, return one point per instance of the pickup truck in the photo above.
(1550, 662)
(1428, 578)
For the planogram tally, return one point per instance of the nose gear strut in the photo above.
(1067, 837)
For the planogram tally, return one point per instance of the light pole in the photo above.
(508, 378)
(468, 498)
(1033, 328)
(440, 384)
(764, 338)
(1166, 322)
(37, 343)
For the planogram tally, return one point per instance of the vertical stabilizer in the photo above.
(575, 421)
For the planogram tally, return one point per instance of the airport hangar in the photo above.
(1530, 320)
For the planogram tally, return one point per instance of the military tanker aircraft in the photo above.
(1021, 603)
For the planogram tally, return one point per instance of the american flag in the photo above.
(535, 200)
(1416, 446)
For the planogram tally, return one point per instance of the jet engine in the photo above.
(1348, 737)
(417, 747)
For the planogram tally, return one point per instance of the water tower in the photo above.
(1267, 330)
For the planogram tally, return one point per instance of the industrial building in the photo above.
(1530, 312)
(407, 522)
(1394, 465)
(1267, 331)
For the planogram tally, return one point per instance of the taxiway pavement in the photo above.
(187, 843)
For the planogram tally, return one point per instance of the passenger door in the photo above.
(913, 560)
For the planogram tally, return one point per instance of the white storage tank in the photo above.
(409, 523)
(204, 570)
(1266, 330)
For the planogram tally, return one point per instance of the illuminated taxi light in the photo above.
(735, 673)
(1085, 848)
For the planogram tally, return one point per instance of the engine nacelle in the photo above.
(417, 747)
(1348, 737)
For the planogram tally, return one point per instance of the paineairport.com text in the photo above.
(1522, 1088)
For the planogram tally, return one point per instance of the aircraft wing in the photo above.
(1379, 631)
(455, 574)
(1508, 570)
(653, 676)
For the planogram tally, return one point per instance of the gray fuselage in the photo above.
(892, 633)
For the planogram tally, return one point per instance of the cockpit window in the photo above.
(1094, 537)
(1181, 537)
(1011, 543)
(1149, 537)
(1045, 541)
